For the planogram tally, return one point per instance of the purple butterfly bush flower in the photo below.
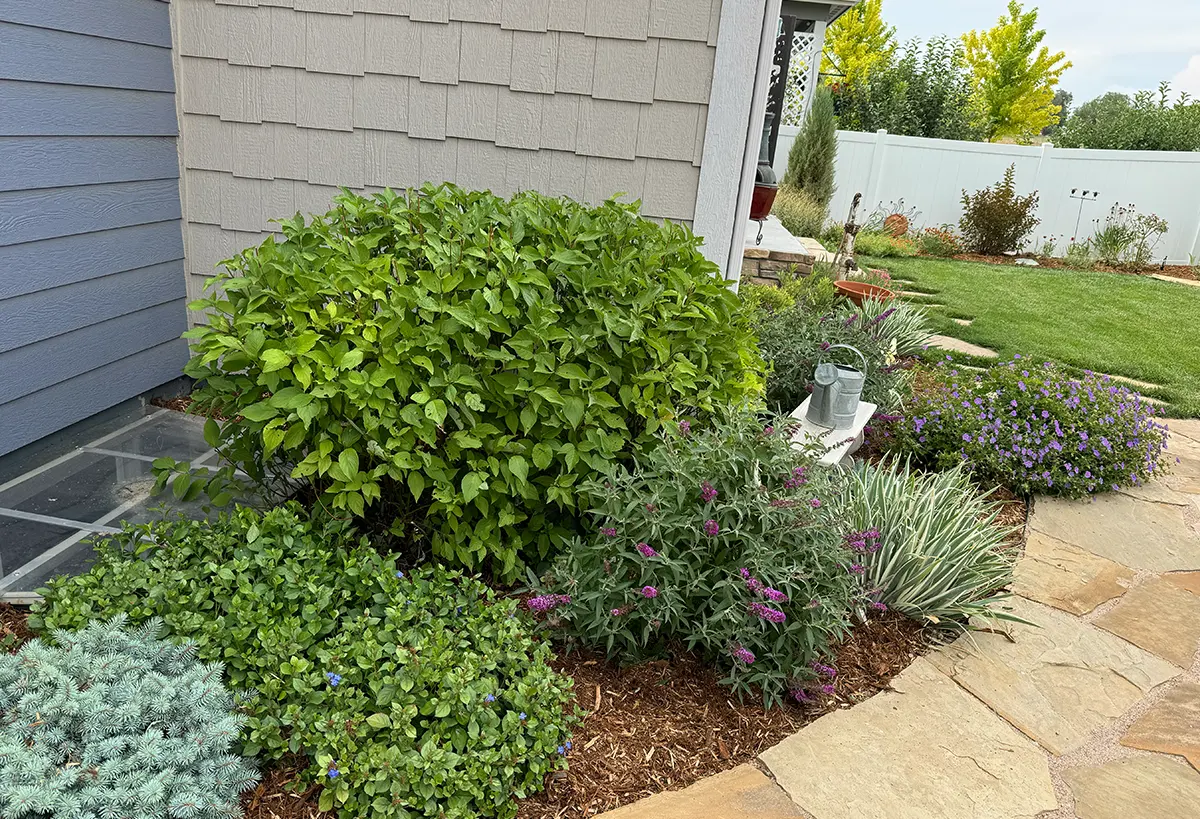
(649, 592)
(646, 551)
(765, 612)
(711, 528)
(707, 492)
(685, 427)
(742, 654)
(608, 531)
(547, 602)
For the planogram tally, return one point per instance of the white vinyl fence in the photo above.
(930, 175)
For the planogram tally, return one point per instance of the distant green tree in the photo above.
(926, 92)
(811, 158)
(1063, 100)
(1145, 122)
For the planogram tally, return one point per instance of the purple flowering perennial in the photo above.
(707, 492)
(711, 528)
(546, 602)
(649, 592)
(742, 654)
(765, 612)
(646, 551)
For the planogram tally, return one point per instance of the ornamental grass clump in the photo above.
(107, 722)
(1035, 429)
(447, 365)
(928, 544)
(719, 540)
(411, 694)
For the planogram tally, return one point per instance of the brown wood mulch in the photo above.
(1177, 271)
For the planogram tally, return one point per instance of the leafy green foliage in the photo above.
(923, 93)
(1128, 237)
(1145, 122)
(798, 211)
(1015, 75)
(449, 364)
(996, 219)
(883, 245)
(939, 241)
(794, 340)
(105, 722)
(814, 291)
(1079, 256)
(404, 728)
(1035, 429)
(719, 539)
(811, 159)
(904, 326)
(930, 543)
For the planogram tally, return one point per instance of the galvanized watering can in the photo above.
(836, 391)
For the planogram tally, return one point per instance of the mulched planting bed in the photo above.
(1176, 271)
(645, 729)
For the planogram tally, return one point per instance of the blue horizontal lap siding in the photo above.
(43, 55)
(92, 283)
(134, 21)
(27, 163)
(69, 259)
(44, 109)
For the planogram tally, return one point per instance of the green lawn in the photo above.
(1123, 325)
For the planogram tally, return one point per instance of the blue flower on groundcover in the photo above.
(334, 679)
(334, 773)
(490, 698)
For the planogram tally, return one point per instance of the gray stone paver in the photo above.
(957, 345)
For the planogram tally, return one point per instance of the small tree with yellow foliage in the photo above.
(858, 42)
(1015, 75)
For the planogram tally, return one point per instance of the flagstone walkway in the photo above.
(1093, 713)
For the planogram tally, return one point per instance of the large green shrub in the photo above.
(929, 542)
(450, 364)
(1147, 121)
(812, 158)
(105, 722)
(1035, 428)
(412, 696)
(798, 212)
(721, 540)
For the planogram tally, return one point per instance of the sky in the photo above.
(1114, 45)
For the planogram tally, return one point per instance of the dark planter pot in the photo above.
(762, 200)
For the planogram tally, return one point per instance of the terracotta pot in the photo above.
(762, 200)
(858, 292)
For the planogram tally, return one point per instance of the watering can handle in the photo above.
(854, 350)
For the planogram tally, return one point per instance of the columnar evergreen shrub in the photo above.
(722, 540)
(1035, 429)
(813, 155)
(450, 365)
(105, 722)
(412, 695)
(929, 542)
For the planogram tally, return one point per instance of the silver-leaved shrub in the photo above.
(1035, 428)
(108, 722)
(721, 540)
(449, 365)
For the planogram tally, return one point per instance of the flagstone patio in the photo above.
(1093, 712)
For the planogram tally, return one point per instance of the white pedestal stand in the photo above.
(838, 442)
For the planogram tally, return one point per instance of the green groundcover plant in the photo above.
(449, 365)
(929, 543)
(105, 722)
(1035, 429)
(720, 540)
(417, 695)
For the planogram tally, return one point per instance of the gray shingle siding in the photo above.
(92, 279)
(576, 98)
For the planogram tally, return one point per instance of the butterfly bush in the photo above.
(720, 543)
(1036, 429)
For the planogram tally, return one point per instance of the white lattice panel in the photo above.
(802, 75)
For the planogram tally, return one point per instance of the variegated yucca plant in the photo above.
(939, 555)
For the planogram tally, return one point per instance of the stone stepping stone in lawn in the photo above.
(957, 345)
(1132, 382)
(1057, 681)
(742, 793)
(963, 322)
(1174, 280)
(1160, 617)
(925, 749)
(1132, 532)
(1067, 577)
(1171, 726)
(1141, 787)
